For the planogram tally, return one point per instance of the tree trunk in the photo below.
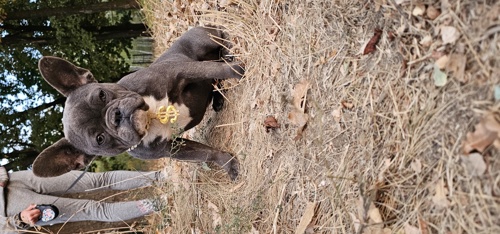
(110, 32)
(71, 10)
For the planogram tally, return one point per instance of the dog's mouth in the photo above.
(164, 114)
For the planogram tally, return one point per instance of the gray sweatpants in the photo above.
(24, 189)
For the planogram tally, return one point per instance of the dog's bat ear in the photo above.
(63, 75)
(60, 158)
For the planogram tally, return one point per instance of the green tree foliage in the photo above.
(120, 162)
(85, 32)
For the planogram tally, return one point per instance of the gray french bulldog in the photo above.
(145, 112)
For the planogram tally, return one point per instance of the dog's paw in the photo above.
(238, 69)
(232, 168)
(217, 101)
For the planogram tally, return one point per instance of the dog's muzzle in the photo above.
(164, 115)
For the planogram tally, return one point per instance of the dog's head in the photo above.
(98, 119)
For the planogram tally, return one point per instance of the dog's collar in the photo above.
(164, 115)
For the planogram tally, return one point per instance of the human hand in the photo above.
(30, 215)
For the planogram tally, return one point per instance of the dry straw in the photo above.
(381, 149)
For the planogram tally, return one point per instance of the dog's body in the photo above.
(108, 119)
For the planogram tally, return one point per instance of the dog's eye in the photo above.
(102, 96)
(100, 139)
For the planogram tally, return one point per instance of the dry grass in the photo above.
(393, 153)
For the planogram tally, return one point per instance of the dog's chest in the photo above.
(166, 130)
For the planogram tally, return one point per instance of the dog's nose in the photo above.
(118, 117)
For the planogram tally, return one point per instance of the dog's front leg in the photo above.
(202, 70)
(186, 150)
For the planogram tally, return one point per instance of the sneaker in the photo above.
(154, 205)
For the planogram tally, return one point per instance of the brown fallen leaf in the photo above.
(416, 165)
(299, 119)
(298, 116)
(347, 105)
(409, 229)
(337, 114)
(426, 41)
(432, 12)
(375, 221)
(374, 214)
(391, 36)
(271, 123)
(216, 218)
(474, 164)
(299, 94)
(370, 46)
(485, 133)
(306, 218)
(449, 34)
(356, 222)
(418, 10)
(442, 62)
(439, 199)
(456, 66)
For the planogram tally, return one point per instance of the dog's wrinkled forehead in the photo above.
(82, 116)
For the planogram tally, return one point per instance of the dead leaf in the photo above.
(297, 115)
(376, 225)
(374, 214)
(306, 218)
(356, 222)
(370, 46)
(439, 197)
(409, 229)
(474, 164)
(337, 114)
(224, 3)
(456, 66)
(271, 123)
(216, 219)
(299, 119)
(432, 12)
(383, 170)
(347, 105)
(492, 121)
(253, 230)
(391, 36)
(378, 4)
(442, 62)
(416, 165)
(418, 10)
(299, 94)
(437, 54)
(426, 41)
(449, 34)
(401, 29)
(485, 133)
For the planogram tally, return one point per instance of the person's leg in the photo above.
(116, 180)
(73, 210)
